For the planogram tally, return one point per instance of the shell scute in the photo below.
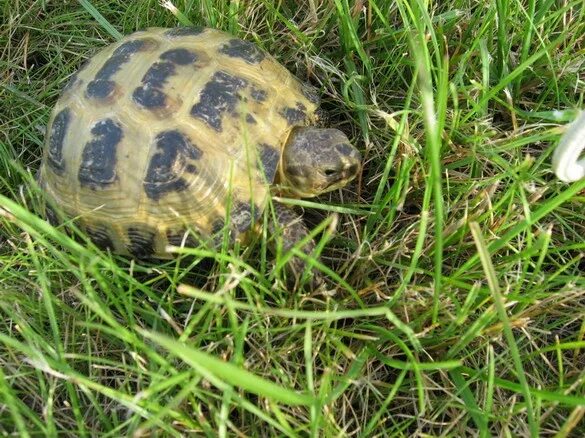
(294, 115)
(237, 48)
(141, 242)
(158, 74)
(128, 48)
(218, 97)
(100, 236)
(149, 97)
(180, 56)
(56, 139)
(98, 161)
(166, 167)
(258, 94)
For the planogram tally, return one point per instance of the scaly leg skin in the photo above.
(289, 229)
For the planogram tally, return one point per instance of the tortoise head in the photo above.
(317, 160)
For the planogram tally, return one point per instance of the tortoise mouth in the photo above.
(340, 182)
(346, 175)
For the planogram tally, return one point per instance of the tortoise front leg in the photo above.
(286, 230)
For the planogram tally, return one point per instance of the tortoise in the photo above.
(174, 132)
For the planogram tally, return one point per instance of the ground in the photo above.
(456, 258)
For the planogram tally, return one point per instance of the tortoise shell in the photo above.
(169, 130)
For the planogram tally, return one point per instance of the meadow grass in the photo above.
(457, 298)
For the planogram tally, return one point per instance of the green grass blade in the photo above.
(221, 371)
(492, 280)
(545, 209)
(108, 27)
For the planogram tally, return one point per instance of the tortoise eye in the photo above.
(330, 172)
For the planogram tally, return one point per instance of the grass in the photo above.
(458, 298)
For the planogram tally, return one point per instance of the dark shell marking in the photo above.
(179, 56)
(176, 238)
(149, 97)
(294, 115)
(217, 226)
(184, 31)
(269, 157)
(141, 243)
(100, 237)
(174, 150)
(217, 233)
(250, 119)
(130, 47)
(191, 168)
(241, 218)
(158, 74)
(218, 97)
(98, 161)
(150, 94)
(51, 215)
(245, 50)
(102, 87)
(56, 139)
(258, 94)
